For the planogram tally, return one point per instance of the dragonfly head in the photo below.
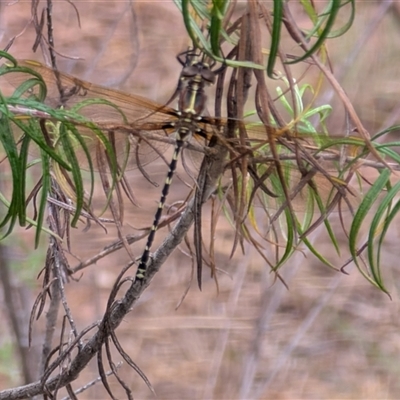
(199, 69)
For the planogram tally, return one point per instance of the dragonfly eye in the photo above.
(208, 75)
(201, 69)
(190, 72)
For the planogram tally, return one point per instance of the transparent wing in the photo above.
(122, 117)
(139, 131)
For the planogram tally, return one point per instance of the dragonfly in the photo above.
(196, 74)
(143, 128)
(192, 99)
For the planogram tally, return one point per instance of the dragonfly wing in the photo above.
(123, 118)
(136, 108)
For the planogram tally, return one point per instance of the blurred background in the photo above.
(328, 335)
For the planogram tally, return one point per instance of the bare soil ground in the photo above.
(330, 336)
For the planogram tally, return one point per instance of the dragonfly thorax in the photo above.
(192, 100)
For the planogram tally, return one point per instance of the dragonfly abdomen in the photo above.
(140, 273)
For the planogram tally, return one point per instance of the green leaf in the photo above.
(28, 84)
(65, 130)
(289, 248)
(217, 16)
(362, 212)
(334, 7)
(275, 36)
(9, 57)
(317, 254)
(384, 208)
(17, 204)
(189, 25)
(46, 187)
(23, 159)
(33, 131)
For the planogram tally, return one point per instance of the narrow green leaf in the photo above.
(9, 57)
(30, 221)
(384, 208)
(37, 137)
(334, 10)
(46, 186)
(275, 36)
(289, 248)
(387, 223)
(11, 151)
(319, 21)
(82, 144)
(341, 31)
(28, 84)
(26, 87)
(317, 254)
(187, 20)
(23, 160)
(388, 150)
(328, 227)
(217, 16)
(65, 129)
(362, 212)
(384, 132)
